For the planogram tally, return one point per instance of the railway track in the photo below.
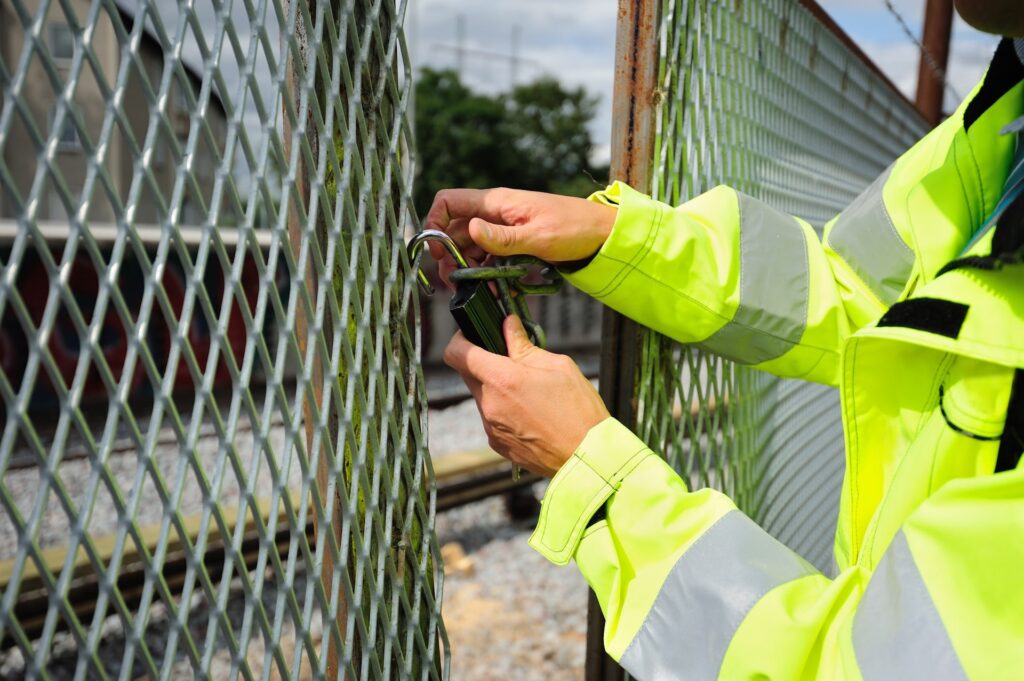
(461, 479)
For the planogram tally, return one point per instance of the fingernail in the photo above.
(486, 230)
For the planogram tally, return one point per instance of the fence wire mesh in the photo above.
(763, 96)
(212, 463)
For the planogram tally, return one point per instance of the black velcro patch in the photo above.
(1012, 443)
(934, 315)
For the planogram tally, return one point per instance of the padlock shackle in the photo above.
(416, 245)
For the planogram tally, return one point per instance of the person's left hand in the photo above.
(536, 406)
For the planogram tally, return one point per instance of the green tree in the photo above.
(535, 137)
(549, 126)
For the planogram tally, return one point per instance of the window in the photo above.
(180, 113)
(67, 139)
(62, 43)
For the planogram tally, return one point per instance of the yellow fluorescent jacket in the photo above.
(930, 542)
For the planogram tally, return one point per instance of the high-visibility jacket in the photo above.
(914, 308)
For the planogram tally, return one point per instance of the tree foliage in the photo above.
(534, 137)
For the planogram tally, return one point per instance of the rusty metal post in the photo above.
(633, 117)
(312, 403)
(931, 69)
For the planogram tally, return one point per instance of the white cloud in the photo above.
(572, 40)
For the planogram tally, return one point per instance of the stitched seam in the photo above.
(602, 492)
(746, 613)
(963, 184)
(599, 525)
(892, 226)
(859, 273)
(967, 413)
(935, 455)
(611, 479)
(542, 523)
(977, 169)
(869, 543)
(639, 255)
(807, 276)
(961, 430)
(718, 315)
(855, 452)
(682, 555)
(909, 335)
(605, 491)
(821, 358)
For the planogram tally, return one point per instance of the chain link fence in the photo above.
(770, 98)
(212, 463)
(766, 97)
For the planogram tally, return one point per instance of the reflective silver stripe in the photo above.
(865, 237)
(705, 597)
(897, 632)
(772, 312)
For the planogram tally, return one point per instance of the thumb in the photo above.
(515, 337)
(498, 239)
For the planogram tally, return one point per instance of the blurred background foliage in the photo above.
(533, 137)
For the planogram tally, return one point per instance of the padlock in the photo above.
(474, 306)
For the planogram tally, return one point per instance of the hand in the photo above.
(536, 406)
(485, 222)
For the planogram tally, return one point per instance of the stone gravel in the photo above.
(513, 615)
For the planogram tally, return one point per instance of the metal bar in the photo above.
(85, 584)
(931, 68)
(633, 114)
(57, 233)
(312, 401)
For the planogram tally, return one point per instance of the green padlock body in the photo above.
(479, 315)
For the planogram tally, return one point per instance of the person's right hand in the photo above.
(482, 222)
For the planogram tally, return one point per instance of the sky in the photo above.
(574, 41)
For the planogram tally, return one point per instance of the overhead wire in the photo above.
(928, 58)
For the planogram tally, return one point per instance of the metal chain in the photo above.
(510, 277)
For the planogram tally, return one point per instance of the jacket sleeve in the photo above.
(692, 588)
(753, 284)
(738, 278)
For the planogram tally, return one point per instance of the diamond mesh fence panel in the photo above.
(213, 462)
(761, 95)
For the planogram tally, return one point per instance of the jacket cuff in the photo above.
(608, 453)
(632, 236)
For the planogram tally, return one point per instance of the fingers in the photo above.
(515, 338)
(472, 360)
(458, 230)
(498, 239)
(453, 204)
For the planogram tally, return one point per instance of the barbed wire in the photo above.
(928, 58)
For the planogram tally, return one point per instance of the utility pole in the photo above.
(931, 70)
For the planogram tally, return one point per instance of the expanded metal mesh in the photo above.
(212, 462)
(762, 96)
